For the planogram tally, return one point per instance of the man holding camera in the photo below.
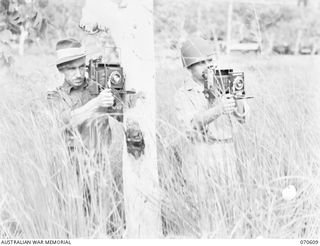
(83, 111)
(75, 98)
(210, 125)
(89, 129)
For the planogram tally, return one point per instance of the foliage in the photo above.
(17, 18)
(250, 21)
(21, 14)
(5, 49)
(64, 17)
(38, 20)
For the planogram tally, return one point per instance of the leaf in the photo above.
(43, 26)
(3, 17)
(15, 19)
(12, 7)
(43, 3)
(4, 5)
(6, 54)
(33, 17)
(38, 21)
(5, 36)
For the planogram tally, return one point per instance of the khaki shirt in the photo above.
(190, 100)
(65, 99)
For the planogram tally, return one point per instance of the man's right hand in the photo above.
(88, 110)
(105, 98)
(227, 104)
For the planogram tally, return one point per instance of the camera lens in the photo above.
(239, 85)
(115, 77)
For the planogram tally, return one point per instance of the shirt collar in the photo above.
(68, 88)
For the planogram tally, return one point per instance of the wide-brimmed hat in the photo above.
(68, 50)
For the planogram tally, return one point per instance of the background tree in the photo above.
(38, 22)
(275, 23)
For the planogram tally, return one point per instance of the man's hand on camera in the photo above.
(90, 109)
(227, 104)
(105, 98)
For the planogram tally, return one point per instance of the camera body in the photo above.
(223, 81)
(105, 75)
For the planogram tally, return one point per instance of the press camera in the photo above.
(224, 81)
(105, 75)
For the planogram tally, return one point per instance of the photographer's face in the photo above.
(74, 72)
(198, 69)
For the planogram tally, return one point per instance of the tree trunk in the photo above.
(270, 43)
(22, 38)
(131, 26)
(300, 31)
(230, 10)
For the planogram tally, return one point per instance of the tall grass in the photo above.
(277, 147)
(44, 189)
(47, 192)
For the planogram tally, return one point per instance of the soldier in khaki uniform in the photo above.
(75, 101)
(90, 132)
(210, 127)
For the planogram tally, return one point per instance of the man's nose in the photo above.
(78, 72)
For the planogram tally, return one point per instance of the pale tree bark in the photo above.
(22, 38)
(229, 32)
(300, 31)
(298, 41)
(183, 33)
(131, 26)
(270, 43)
